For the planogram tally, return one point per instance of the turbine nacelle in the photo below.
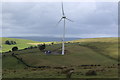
(64, 17)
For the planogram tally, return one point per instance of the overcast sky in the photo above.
(91, 19)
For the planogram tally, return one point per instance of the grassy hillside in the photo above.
(97, 51)
(21, 43)
(106, 46)
(74, 57)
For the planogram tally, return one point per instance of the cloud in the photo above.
(40, 19)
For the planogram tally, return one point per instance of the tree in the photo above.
(42, 47)
(14, 42)
(15, 48)
(7, 42)
(10, 42)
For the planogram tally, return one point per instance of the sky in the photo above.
(91, 19)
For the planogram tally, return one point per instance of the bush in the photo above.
(91, 73)
(31, 47)
(14, 48)
(9, 51)
(52, 43)
(35, 46)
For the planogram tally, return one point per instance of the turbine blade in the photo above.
(69, 20)
(59, 21)
(63, 9)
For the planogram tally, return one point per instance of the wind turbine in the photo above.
(63, 18)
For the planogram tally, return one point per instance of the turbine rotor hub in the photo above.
(64, 17)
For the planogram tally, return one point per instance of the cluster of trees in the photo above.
(42, 47)
(10, 42)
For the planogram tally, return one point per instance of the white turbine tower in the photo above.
(63, 18)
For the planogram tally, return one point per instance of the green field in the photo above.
(97, 51)
(107, 46)
(21, 43)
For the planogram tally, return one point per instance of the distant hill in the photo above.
(111, 39)
(45, 39)
(21, 43)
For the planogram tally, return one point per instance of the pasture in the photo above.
(21, 43)
(80, 55)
